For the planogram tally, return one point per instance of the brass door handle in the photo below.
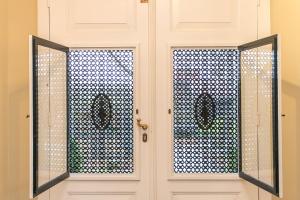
(143, 126)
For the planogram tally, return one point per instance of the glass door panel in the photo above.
(259, 114)
(49, 118)
(101, 118)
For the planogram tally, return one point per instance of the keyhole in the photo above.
(145, 137)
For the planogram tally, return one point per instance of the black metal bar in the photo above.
(50, 184)
(274, 189)
(35, 115)
(68, 111)
(258, 183)
(240, 116)
(258, 43)
(275, 102)
(49, 44)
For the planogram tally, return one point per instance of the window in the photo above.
(49, 151)
(101, 85)
(260, 105)
(205, 101)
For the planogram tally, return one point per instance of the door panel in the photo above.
(205, 111)
(102, 102)
(43, 107)
(110, 40)
(248, 92)
(103, 14)
(58, 113)
(93, 23)
(265, 110)
(48, 134)
(262, 168)
(204, 25)
(196, 14)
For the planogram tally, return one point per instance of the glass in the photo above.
(103, 78)
(257, 113)
(205, 90)
(51, 113)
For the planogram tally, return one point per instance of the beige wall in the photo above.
(3, 99)
(286, 21)
(18, 20)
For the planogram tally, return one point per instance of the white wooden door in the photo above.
(195, 36)
(113, 33)
(173, 163)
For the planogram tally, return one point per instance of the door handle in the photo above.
(141, 125)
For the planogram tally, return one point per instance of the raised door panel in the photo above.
(208, 22)
(103, 14)
(206, 196)
(102, 195)
(94, 23)
(201, 14)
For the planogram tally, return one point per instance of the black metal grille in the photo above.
(205, 93)
(101, 111)
(205, 111)
(101, 117)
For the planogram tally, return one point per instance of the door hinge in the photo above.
(144, 1)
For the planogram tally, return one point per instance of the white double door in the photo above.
(152, 31)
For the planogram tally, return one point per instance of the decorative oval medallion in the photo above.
(101, 111)
(205, 111)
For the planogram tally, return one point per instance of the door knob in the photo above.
(143, 126)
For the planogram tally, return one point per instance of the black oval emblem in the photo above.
(101, 111)
(205, 111)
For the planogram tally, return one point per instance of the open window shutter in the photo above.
(259, 114)
(49, 114)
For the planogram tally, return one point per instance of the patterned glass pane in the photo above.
(101, 117)
(42, 91)
(205, 93)
(257, 71)
(249, 110)
(51, 98)
(58, 109)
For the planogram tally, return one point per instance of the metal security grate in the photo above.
(101, 117)
(205, 98)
